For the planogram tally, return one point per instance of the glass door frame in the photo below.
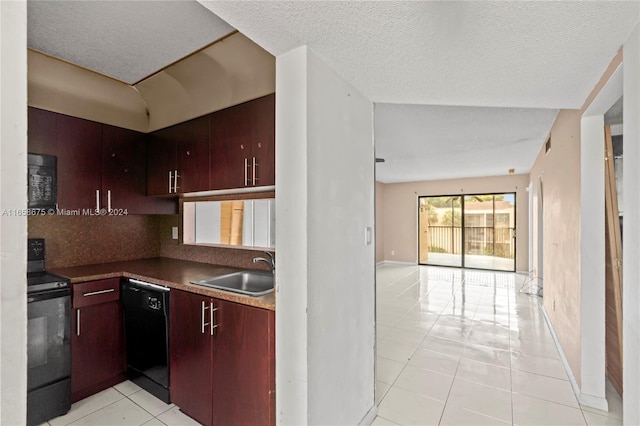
(463, 225)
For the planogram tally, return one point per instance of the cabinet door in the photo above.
(193, 155)
(161, 159)
(124, 173)
(190, 355)
(243, 365)
(79, 162)
(263, 137)
(123, 168)
(42, 131)
(230, 148)
(97, 348)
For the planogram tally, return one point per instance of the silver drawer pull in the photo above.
(94, 293)
(203, 323)
(212, 320)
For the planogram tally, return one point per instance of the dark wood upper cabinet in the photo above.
(79, 163)
(161, 162)
(98, 165)
(178, 160)
(42, 131)
(193, 155)
(230, 147)
(263, 135)
(243, 145)
(124, 173)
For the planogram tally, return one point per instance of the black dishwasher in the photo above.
(146, 327)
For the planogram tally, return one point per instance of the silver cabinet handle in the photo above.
(246, 166)
(94, 293)
(212, 320)
(170, 179)
(253, 172)
(78, 322)
(203, 323)
(109, 200)
(175, 181)
(97, 200)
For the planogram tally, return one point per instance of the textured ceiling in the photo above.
(126, 40)
(514, 54)
(445, 142)
(533, 56)
(506, 53)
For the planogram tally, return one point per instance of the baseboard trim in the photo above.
(369, 417)
(396, 262)
(583, 398)
(594, 402)
(563, 357)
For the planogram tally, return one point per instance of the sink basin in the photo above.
(252, 283)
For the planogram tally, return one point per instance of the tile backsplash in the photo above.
(83, 240)
(169, 247)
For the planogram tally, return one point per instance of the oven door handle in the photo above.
(49, 294)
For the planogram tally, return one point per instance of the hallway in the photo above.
(465, 347)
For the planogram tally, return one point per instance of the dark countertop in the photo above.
(172, 273)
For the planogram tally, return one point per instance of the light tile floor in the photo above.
(455, 347)
(125, 404)
(466, 347)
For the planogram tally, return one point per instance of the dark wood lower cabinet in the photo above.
(97, 349)
(243, 365)
(190, 355)
(226, 377)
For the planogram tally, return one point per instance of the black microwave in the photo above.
(42, 181)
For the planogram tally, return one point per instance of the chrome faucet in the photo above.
(271, 261)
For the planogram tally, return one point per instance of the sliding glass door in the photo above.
(471, 231)
(440, 225)
(489, 231)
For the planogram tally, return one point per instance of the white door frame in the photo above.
(592, 245)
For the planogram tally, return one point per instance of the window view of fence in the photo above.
(474, 231)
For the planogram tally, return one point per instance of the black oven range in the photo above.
(48, 339)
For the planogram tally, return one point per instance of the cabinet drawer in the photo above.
(94, 292)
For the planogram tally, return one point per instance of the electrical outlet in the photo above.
(174, 232)
(393, 252)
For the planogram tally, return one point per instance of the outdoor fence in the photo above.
(486, 241)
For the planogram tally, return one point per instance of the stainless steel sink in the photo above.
(252, 283)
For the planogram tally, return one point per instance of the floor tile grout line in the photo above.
(147, 411)
(513, 410)
(95, 411)
(446, 401)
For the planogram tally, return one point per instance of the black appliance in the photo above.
(42, 181)
(146, 329)
(48, 339)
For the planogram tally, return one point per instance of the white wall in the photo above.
(592, 254)
(631, 242)
(326, 275)
(13, 229)
(291, 234)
